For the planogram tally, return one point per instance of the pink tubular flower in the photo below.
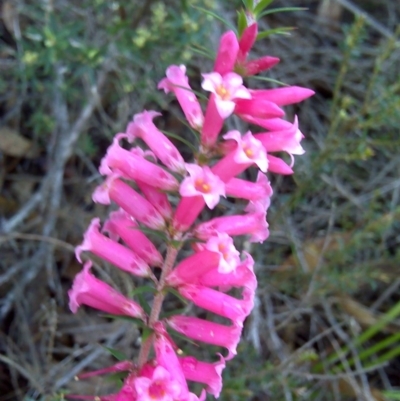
(144, 128)
(218, 302)
(123, 366)
(111, 251)
(208, 332)
(177, 82)
(203, 372)
(222, 243)
(227, 53)
(257, 108)
(282, 96)
(226, 89)
(194, 266)
(129, 200)
(89, 290)
(157, 198)
(251, 223)
(278, 166)
(132, 164)
(121, 225)
(254, 191)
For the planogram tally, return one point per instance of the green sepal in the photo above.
(242, 22)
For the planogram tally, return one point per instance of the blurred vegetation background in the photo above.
(326, 322)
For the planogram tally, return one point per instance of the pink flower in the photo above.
(200, 188)
(287, 141)
(132, 164)
(252, 67)
(129, 200)
(226, 89)
(89, 290)
(260, 108)
(160, 387)
(144, 128)
(222, 243)
(177, 82)
(157, 198)
(202, 182)
(194, 266)
(282, 96)
(121, 225)
(248, 151)
(111, 251)
(227, 53)
(208, 332)
(278, 166)
(254, 191)
(203, 372)
(217, 302)
(122, 366)
(251, 223)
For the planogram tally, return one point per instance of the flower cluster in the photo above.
(142, 183)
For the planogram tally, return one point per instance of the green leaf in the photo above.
(146, 333)
(274, 81)
(142, 290)
(261, 5)
(150, 231)
(179, 138)
(281, 10)
(120, 356)
(249, 4)
(391, 395)
(144, 304)
(242, 22)
(211, 14)
(276, 31)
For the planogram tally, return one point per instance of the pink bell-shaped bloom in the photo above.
(226, 89)
(278, 166)
(111, 251)
(129, 200)
(208, 332)
(204, 372)
(133, 165)
(222, 243)
(257, 108)
(122, 225)
(160, 387)
(242, 276)
(200, 188)
(253, 224)
(248, 151)
(143, 127)
(90, 291)
(218, 302)
(272, 124)
(254, 191)
(282, 96)
(177, 82)
(194, 266)
(157, 198)
(227, 53)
